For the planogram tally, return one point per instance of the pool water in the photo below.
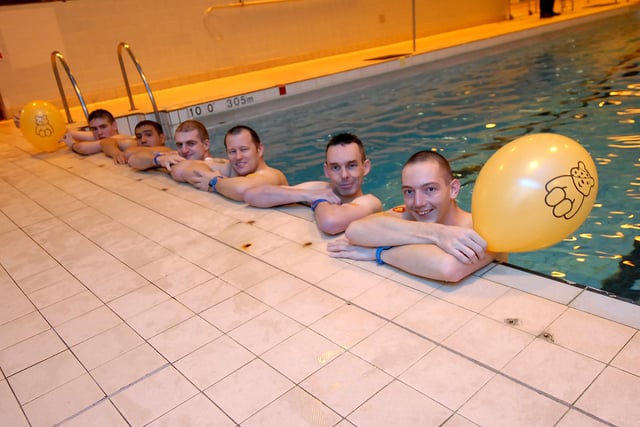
(583, 83)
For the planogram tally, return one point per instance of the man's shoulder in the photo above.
(271, 173)
(369, 199)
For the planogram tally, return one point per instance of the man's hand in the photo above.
(341, 248)
(325, 193)
(68, 139)
(120, 158)
(200, 179)
(171, 158)
(463, 243)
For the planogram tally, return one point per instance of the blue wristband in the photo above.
(155, 158)
(316, 202)
(379, 250)
(213, 182)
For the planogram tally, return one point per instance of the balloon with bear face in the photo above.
(533, 192)
(43, 125)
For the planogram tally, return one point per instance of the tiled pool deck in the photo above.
(129, 299)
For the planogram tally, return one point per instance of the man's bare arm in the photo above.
(431, 262)
(391, 229)
(423, 260)
(335, 218)
(266, 196)
(144, 159)
(111, 149)
(235, 187)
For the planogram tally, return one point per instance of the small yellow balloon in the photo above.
(533, 192)
(42, 125)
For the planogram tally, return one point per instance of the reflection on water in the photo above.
(582, 83)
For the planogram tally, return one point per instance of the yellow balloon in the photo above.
(533, 192)
(43, 125)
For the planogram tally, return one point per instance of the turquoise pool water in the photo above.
(583, 83)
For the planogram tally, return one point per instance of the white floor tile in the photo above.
(153, 396)
(554, 370)
(348, 325)
(613, 397)
(294, 408)
(505, 403)
(488, 341)
(398, 404)
(346, 383)
(214, 361)
(248, 390)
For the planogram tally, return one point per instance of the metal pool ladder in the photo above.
(57, 55)
(125, 46)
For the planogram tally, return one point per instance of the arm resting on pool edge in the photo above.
(235, 187)
(267, 196)
(390, 228)
(144, 159)
(431, 262)
(428, 261)
(335, 218)
(111, 149)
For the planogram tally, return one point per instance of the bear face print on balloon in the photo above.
(533, 192)
(566, 193)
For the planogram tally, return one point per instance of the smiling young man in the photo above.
(243, 169)
(335, 203)
(429, 236)
(192, 143)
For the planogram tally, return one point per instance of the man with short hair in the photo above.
(244, 168)
(102, 125)
(192, 143)
(149, 136)
(335, 203)
(429, 236)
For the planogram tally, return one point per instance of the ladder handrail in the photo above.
(57, 55)
(126, 46)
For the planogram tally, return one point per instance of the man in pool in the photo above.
(429, 236)
(102, 125)
(335, 203)
(232, 177)
(192, 143)
(149, 137)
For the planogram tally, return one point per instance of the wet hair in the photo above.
(157, 126)
(346, 139)
(434, 156)
(189, 125)
(238, 129)
(101, 114)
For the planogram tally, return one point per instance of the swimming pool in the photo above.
(582, 83)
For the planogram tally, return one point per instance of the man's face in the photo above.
(243, 153)
(102, 129)
(346, 170)
(148, 136)
(190, 146)
(427, 195)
